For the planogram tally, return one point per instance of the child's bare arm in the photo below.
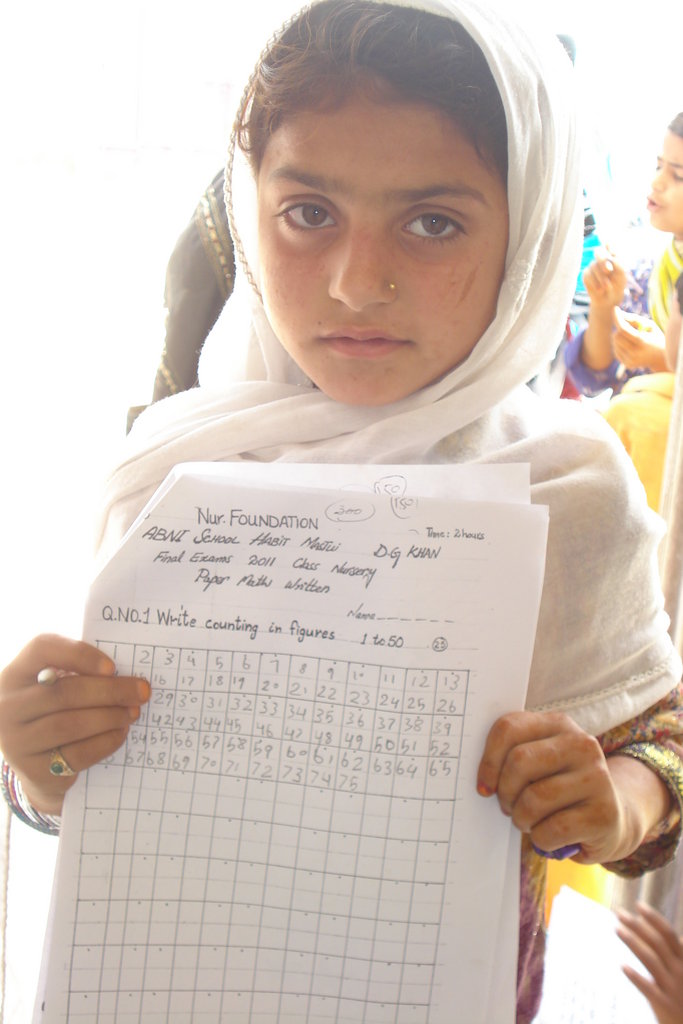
(555, 782)
(605, 281)
(84, 715)
(658, 947)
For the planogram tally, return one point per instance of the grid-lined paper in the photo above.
(286, 858)
(291, 832)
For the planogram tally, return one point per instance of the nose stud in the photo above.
(391, 286)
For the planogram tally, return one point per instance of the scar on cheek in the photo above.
(467, 284)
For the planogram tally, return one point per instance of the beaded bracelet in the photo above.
(19, 805)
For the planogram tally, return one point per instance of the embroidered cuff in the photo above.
(661, 846)
(19, 805)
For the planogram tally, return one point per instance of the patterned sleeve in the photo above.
(656, 739)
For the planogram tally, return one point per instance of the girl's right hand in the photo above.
(605, 281)
(84, 715)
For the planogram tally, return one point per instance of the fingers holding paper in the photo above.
(63, 709)
(555, 783)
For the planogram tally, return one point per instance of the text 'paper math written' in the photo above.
(358, 569)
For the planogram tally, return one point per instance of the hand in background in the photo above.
(638, 343)
(605, 281)
(651, 938)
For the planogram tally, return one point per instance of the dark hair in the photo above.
(676, 125)
(336, 47)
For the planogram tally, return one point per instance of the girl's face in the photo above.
(382, 238)
(665, 202)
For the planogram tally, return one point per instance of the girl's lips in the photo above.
(363, 347)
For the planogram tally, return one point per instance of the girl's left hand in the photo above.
(554, 781)
(638, 343)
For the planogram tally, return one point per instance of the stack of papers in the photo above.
(291, 833)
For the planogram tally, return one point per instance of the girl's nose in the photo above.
(360, 273)
(659, 181)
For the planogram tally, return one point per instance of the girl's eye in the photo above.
(433, 225)
(309, 215)
(676, 177)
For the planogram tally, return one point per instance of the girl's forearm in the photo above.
(596, 352)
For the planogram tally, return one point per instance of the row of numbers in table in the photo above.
(295, 719)
(359, 684)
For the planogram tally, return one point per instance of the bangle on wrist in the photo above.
(20, 806)
(666, 765)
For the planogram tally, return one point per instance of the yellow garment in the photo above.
(591, 880)
(640, 415)
(664, 275)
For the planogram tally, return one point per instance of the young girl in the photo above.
(404, 200)
(609, 352)
(633, 356)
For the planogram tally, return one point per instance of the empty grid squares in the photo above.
(271, 844)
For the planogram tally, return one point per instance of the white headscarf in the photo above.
(254, 402)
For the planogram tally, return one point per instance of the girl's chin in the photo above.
(366, 396)
(660, 221)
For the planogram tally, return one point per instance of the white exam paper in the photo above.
(584, 983)
(292, 833)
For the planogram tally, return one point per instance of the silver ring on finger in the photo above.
(59, 766)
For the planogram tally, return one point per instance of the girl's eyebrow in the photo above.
(407, 195)
(416, 195)
(671, 163)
